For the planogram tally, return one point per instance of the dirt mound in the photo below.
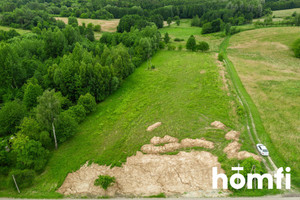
(165, 139)
(232, 135)
(151, 149)
(172, 146)
(245, 154)
(153, 126)
(218, 124)
(232, 151)
(197, 143)
(144, 175)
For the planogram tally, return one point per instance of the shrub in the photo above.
(171, 47)
(24, 178)
(72, 21)
(77, 112)
(296, 48)
(220, 57)
(11, 115)
(178, 40)
(161, 45)
(97, 28)
(88, 102)
(31, 93)
(29, 153)
(207, 28)
(167, 38)
(203, 46)
(180, 47)
(105, 181)
(195, 21)
(191, 43)
(153, 67)
(65, 127)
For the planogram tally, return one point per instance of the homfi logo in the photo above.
(238, 181)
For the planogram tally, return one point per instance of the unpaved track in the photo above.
(250, 126)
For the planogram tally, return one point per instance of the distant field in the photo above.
(106, 25)
(285, 13)
(21, 31)
(185, 30)
(271, 75)
(278, 15)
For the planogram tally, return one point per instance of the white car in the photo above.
(262, 149)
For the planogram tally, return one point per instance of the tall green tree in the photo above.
(11, 115)
(167, 38)
(191, 43)
(47, 111)
(32, 91)
(169, 21)
(29, 153)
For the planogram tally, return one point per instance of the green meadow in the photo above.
(270, 73)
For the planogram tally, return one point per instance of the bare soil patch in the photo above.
(232, 135)
(218, 124)
(174, 145)
(145, 175)
(165, 139)
(232, 151)
(153, 126)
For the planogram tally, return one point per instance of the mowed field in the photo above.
(106, 25)
(271, 75)
(185, 92)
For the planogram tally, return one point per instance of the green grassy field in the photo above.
(21, 31)
(285, 13)
(270, 74)
(185, 30)
(185, 92)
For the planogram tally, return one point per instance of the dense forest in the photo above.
(53, 77)
(28, 14)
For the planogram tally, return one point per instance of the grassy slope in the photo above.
(285, 13)
(21, 31)
(270, 74)
(184, 92)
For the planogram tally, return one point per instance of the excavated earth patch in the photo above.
(149, 174)
(173, 144)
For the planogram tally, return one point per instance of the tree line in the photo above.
(51, 79)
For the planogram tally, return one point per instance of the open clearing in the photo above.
(270, 74)
(106, 25)
(185, 30)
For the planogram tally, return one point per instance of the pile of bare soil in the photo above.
(173, 144)
(232, 135)
(218, 124)
(232, 151)
(165, 139)
(148, 174)
(153, 126)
